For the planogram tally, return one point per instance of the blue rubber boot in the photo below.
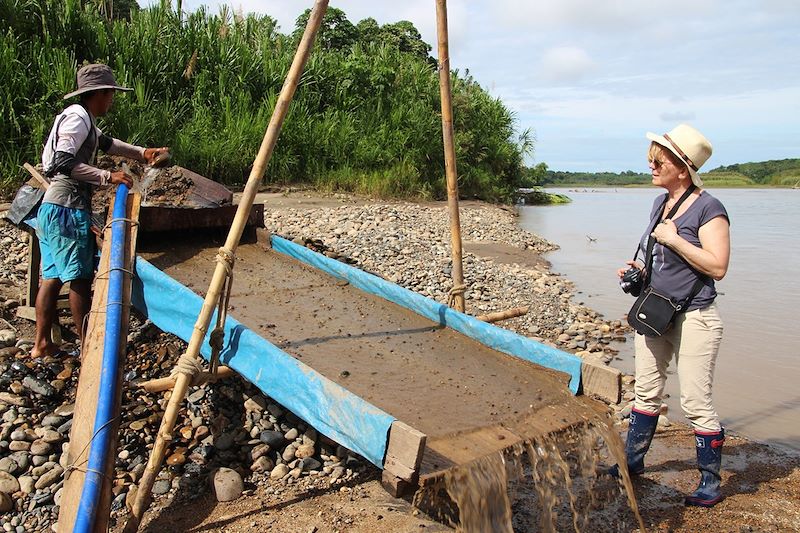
(709, 460)
(640, 435)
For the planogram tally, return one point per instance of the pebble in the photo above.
(39, 386)
(40, 447)
(161, 486)
(8, 483)
(7, 337)
(227, 484)
(6, 503)
(262, 464)
(49, 478)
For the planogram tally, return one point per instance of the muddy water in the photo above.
(564, 470)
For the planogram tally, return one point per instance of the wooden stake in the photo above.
(36, 175)
(503, 315)
(232, 242)
(450, 153)
(167, 383)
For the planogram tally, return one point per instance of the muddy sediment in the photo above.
(430, 377)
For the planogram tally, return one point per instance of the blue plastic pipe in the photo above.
(106, 398)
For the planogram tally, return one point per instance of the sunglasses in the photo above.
(658, 163)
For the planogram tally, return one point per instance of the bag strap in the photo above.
(651, 241)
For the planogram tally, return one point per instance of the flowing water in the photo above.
(547, 473)
(755, 386)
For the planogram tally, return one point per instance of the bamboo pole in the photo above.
(167, 383)
(450, 154)
(503, 315)
(212, 296)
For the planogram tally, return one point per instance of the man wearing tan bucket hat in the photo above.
(685, 248)
(64, 218)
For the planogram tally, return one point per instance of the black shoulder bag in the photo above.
(653, 313)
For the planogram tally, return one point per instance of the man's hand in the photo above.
(120, 177)
(154, 156)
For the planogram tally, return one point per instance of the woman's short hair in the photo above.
(657, 151)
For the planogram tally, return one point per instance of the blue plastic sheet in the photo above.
(329, 407)
(496, 338)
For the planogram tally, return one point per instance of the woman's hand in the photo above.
(634, 264)
(151, 155)
(665, 233)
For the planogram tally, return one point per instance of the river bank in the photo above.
(405, 242)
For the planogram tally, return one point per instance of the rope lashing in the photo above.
(457, 290)
(190, 366)
(226, 258)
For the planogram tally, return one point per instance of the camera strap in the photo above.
(651, 241)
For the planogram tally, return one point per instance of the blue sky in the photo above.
(590, 77)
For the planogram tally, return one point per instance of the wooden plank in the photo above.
(88, 386)
(206, 192)
(34, 267)
(601, 381)
(404, 451)
(44, 183)
(447, 451)
(155, 219)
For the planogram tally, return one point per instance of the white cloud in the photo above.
(566, 64)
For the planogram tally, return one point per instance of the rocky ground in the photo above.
(231, 437)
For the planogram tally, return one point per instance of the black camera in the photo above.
(632, 281)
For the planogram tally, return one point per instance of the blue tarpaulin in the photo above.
(330, 408)
(492, 336)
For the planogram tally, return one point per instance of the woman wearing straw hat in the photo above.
(683, 252)
(63, 219)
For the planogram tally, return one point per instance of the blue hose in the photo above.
(107, 394)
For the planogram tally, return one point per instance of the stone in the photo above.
(288, 453)
(262, 464)
(227, 484)
(304, 450)
(337, 472)
(26, 484)
(291, 435)
(40, 447)
(161, 486)
(65, 410)
(13, 399)
(255, 404)
(49, 478)
(53, 421)
(8, 483)
(225, 441)
(259, 450)
(6, 503)
(39, 386)
(309, 463)
(7, 338)
(176, 459)
(50, 436)
(273, 438)
(19, 446)
(663, 421)
(279, 471)
(9, 465)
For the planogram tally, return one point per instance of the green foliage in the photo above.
(365, 118)
(588, 179)
(774, 172)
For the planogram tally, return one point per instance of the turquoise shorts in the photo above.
(66, 241)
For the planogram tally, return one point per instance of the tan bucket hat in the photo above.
(689, 145)
(95, 77)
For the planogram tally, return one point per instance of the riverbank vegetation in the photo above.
(773, 173)
(366, 116)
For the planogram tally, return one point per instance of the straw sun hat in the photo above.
(95, 77)
(689, 145)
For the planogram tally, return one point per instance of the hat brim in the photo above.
(96, 88)
(662, 141)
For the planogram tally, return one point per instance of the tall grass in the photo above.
(366, 115)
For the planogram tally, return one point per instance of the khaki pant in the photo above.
(694, 341)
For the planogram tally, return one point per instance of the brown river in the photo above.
(756, 388)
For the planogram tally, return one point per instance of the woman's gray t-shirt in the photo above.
(671, 274)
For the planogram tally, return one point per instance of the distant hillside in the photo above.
(781, 173)
(775, 172)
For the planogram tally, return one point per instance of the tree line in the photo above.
(366, 115)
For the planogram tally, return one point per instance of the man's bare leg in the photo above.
(46, 302)
(80, 300)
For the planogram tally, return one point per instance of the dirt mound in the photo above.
(167, 186)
